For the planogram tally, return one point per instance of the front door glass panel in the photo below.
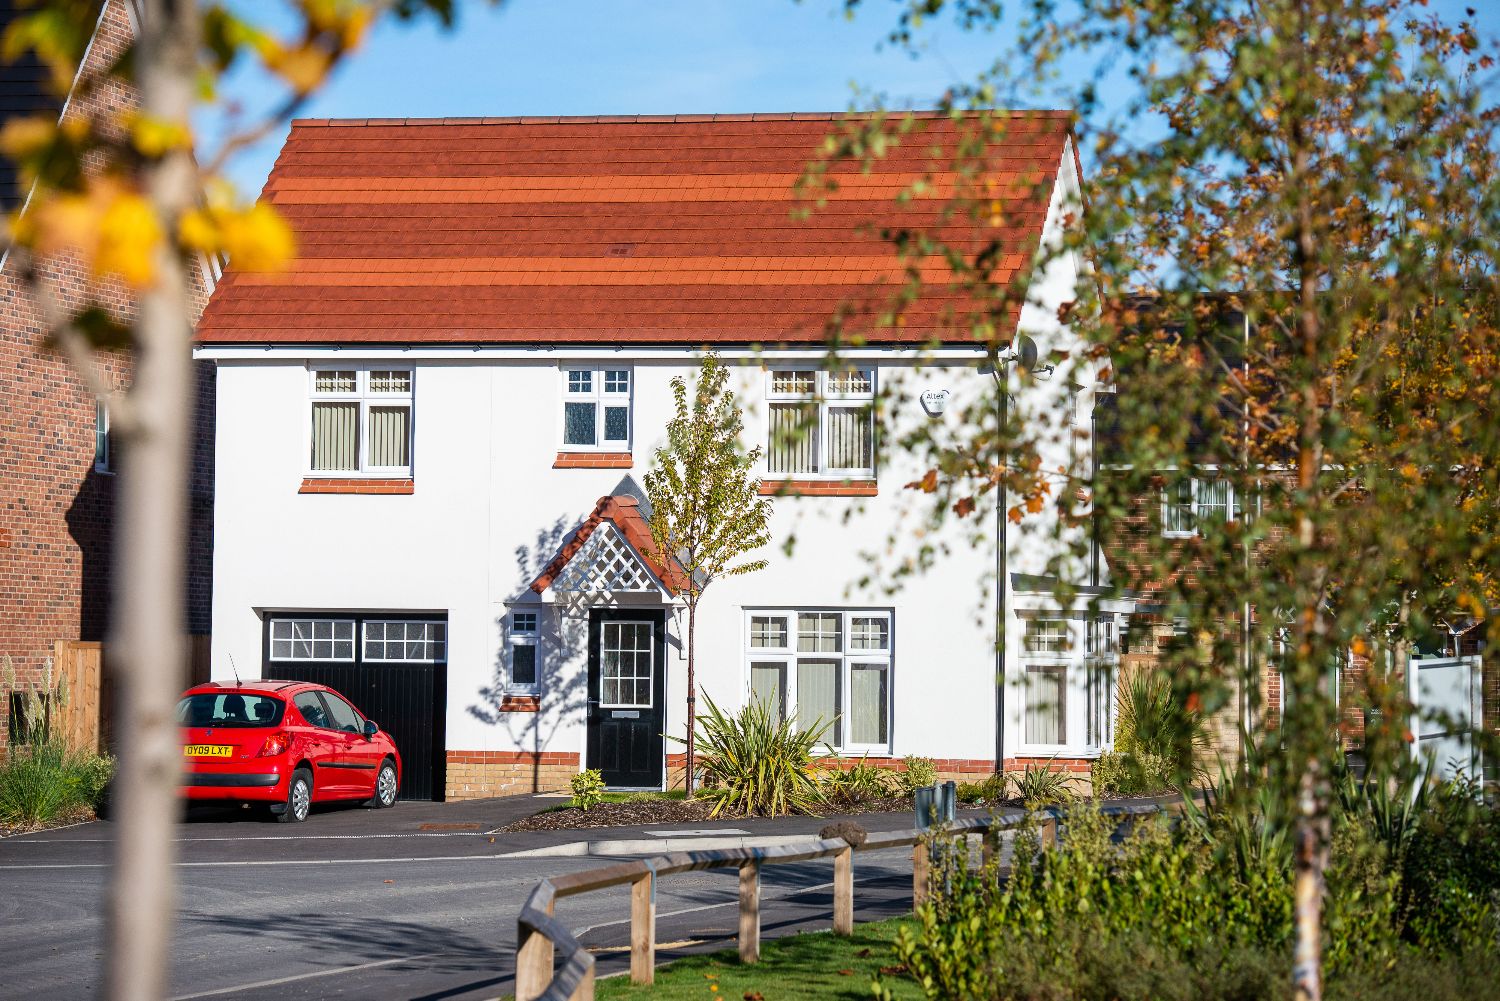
(625, 658)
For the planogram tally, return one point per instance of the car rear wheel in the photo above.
(385, 786)
(298, 798)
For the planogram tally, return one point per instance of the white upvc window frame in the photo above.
(434, 640)
(602, 393)
(635, 679)
(839, 737)
(367, 400)
(103, 450)
(1038, 655)
(524, 627)
(1194, 505)
(304, 629)
(829, 392)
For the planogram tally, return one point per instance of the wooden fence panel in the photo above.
(82, 722)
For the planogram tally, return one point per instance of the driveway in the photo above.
(415, 902)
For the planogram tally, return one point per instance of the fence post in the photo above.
(533, 962)
(919, 874)
(1049, 831)
(843, 892)
(643, 929)
(989, 846)
(585, 989)
(749, 912)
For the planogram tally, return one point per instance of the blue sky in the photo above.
(585, 57)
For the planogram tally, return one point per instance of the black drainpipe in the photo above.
(1001, 575)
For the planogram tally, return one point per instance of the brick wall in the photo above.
(55, 509)
(482, 774)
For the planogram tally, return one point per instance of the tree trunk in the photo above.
(692, 697)
(146, 646)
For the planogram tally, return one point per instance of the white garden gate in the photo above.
(1448, 708)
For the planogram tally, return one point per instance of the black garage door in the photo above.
(392, 666)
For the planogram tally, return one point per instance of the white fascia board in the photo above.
(290, 352)
(1046, 602)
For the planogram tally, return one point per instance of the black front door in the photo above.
(627, 695)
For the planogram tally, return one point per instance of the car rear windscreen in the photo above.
(229, 709)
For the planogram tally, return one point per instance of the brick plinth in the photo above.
(593, 460)
(818, 488)
(356, 485)
(481, 774)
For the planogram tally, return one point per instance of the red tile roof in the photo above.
(650, 229)
(624, 512)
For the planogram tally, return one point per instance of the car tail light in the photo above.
(275, 744)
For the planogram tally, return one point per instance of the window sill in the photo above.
(358, 485)
(818, 488)
(593, 460)
(520, 703)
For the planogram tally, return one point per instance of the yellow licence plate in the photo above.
(208, 751)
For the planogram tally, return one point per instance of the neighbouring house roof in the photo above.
(26, 89)
(623, 512)
(650, 230)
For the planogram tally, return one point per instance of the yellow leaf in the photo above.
(258, 239)
(128, 236)
(197, 229)
(22, 137)
(154, 137)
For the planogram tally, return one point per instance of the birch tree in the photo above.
(707, 514)
(1322, 174)
(125, 192)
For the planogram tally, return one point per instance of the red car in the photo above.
(287, 744)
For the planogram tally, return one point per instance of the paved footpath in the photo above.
(415, 902)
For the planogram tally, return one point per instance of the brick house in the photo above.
(56, 462)
(1209, 495)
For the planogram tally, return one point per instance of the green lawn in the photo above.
(818, 966)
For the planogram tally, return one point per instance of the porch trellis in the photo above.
(605, 562)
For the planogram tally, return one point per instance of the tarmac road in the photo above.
(415, 902)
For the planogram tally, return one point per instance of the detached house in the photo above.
(432, 433)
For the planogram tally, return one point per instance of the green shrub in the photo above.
(1153, 721)
(44, 783)
(1140, 774)
(588, 789)
(755, 763)
(1204, 908)
(1039, 787)
(854, 784)
(919, 772)
(990, 790)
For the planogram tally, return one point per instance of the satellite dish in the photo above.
(1026, 354)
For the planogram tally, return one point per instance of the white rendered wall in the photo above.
(489, 512)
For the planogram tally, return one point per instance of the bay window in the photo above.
(1047, 646)
(821, 423)
(827, 665)
(361, 420)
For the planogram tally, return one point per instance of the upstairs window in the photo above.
(596, 408)
(1190, 503)
(361, 420)
(821, 423)
(103, 459)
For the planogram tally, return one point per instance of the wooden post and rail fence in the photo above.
(541, 939)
